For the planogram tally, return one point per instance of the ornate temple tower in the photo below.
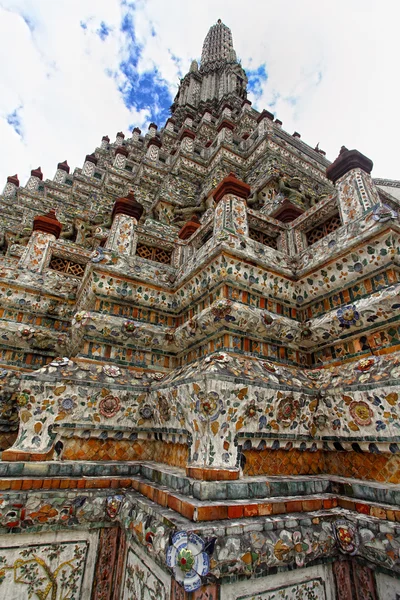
(200, 362)
(219, 79)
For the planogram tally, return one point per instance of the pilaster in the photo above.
(119, 138)
(169, 125)
(89, 165)
(121, 155)
(136, 134)
(34, 180)
(105, 140)
(125, 216)
(62, 172)
(351, 174)
(231, 210)
(265, 121)
(152, 130)
(11, 187)
(153, 149)
(46, 229)
(187, 140)
(225, 131)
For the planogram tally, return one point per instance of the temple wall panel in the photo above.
(144, 578)
(313, 583)
(55, 565)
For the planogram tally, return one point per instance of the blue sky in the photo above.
(80, 69)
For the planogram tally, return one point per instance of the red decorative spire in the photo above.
(127, 206)
(105, 138)
(64, 166)
(120, 134)
(232, 185)
(37, 173)
(48, 223)
(13, 179)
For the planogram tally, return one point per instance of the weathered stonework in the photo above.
(200, 363)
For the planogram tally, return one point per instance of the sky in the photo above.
(72, 71)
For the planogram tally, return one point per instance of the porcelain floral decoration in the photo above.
(187, 558)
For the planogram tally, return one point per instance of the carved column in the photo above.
(364, 582)
(350, 173)
(46, 229)
(125, 215)
(110, 560)
(354, 581)
(231, 210)
(342, 574)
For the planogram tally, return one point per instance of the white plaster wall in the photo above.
(283, 585)
(14, 583)
(388, 588)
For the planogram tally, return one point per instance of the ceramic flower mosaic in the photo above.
(188, 560)
(348, 316)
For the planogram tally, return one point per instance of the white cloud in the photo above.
(331, 71)
(56, 73)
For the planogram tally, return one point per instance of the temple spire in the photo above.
(219, 80)
(218, 45)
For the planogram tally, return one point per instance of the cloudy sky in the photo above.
(72, 71)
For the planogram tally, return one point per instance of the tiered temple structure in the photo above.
(200, 361)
